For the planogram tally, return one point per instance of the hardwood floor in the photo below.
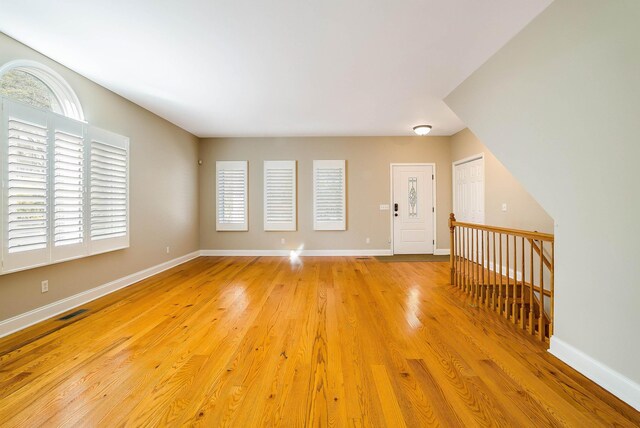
(258, 342)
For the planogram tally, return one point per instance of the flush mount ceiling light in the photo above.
(422, 129)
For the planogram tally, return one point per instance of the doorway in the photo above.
(468, 189)
(413, 208)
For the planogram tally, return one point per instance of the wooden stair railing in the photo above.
(507, 271)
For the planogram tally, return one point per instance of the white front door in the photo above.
(412, 209)
(468, 189)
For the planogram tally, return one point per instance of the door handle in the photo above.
(395, 210)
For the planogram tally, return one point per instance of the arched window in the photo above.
(34, 84)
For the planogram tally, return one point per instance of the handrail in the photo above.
(539, 236)
(507, 271)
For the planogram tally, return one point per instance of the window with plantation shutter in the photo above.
(329, 195)
(279, 195)
(25, 172)
(68, 189)
(109, 190)
(65, 185)
(231, 196)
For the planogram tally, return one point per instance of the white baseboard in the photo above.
(302, 253)
(614, 382)
(19, 322)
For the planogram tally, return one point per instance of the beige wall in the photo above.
(558, 105)
(523, 212)
(368, 160)
(163, 186)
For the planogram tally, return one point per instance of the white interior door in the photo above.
(413, 209)
(468, 188)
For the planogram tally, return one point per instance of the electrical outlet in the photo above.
(45, 286)
(504, 207)
(168, 250)
(368, 241)
(282, 241)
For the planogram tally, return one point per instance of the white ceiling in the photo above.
(280, 67)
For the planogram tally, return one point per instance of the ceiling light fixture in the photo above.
(422, 129)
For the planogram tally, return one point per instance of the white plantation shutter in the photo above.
(69, 196)
(280, 195)
(231, 195)
(329, 195)
(65, 188)
(109, 191)
(25, 193)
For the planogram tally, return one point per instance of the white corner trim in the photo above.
(442, 252)
(19, 322)
(614, 382)
(302, 253)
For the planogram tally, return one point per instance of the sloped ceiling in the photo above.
(276, 68)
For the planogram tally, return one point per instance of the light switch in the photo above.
(384, 207)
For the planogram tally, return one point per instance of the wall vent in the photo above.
(72, 314)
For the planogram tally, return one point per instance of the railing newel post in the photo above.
(514, 303)
(531, 296)
(551, 289)
(452, 246)
(541, 333)
(522, 288)
(495, 269)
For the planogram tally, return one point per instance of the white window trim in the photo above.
(66, 96)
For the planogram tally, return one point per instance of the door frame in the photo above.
(484, 181)
(435, 210)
